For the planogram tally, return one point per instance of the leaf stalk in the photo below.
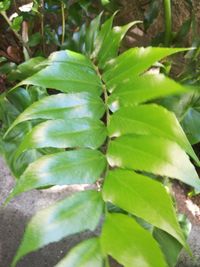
(168, 22)
(63, 22)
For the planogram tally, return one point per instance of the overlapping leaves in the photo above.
(100, 120)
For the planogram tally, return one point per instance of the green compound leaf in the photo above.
(129, 243)
(83, 166)
(153, 154)
(149, 120)
(86, 254)
(83, 132)
(63, 106)
(71, 120)
(72, 215)
(133, 193)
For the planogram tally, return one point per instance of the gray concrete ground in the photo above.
(194, 241)
(16, 214)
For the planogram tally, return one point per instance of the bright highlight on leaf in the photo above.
(83, 132)
(63, 168)
(154, 155)
(67, 71)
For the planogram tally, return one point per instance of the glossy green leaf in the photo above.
(17, 167)
(139, 89)
(63, 106)
(153, 154)
(191, 125)
(111, 43)
(128, 243)
(35, 39)
(187, 109)
(20, 99)
(103, 34)
(83, 166)
(27, 68)
(135, 61)
(74, 214)
(91, 34)
(70, 57)
(4, 5)
(16, 23)
(84, 132)
(77, 42)
(86, 254)
(10, 107)
(67, 71)
(169, 246)
(105, 2)
(149, 119)
(133, 193)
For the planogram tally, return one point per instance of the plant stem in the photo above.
(42, 25)
(26, 49)
(168, 22)
(106, 102)
(63, 22)
(107, 122)
(3, 13)
(105, 96)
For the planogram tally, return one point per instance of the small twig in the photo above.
(42, 25)
(26, 48)
(105, 96)
(168, 22)
(3, 13)
(63, 22)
